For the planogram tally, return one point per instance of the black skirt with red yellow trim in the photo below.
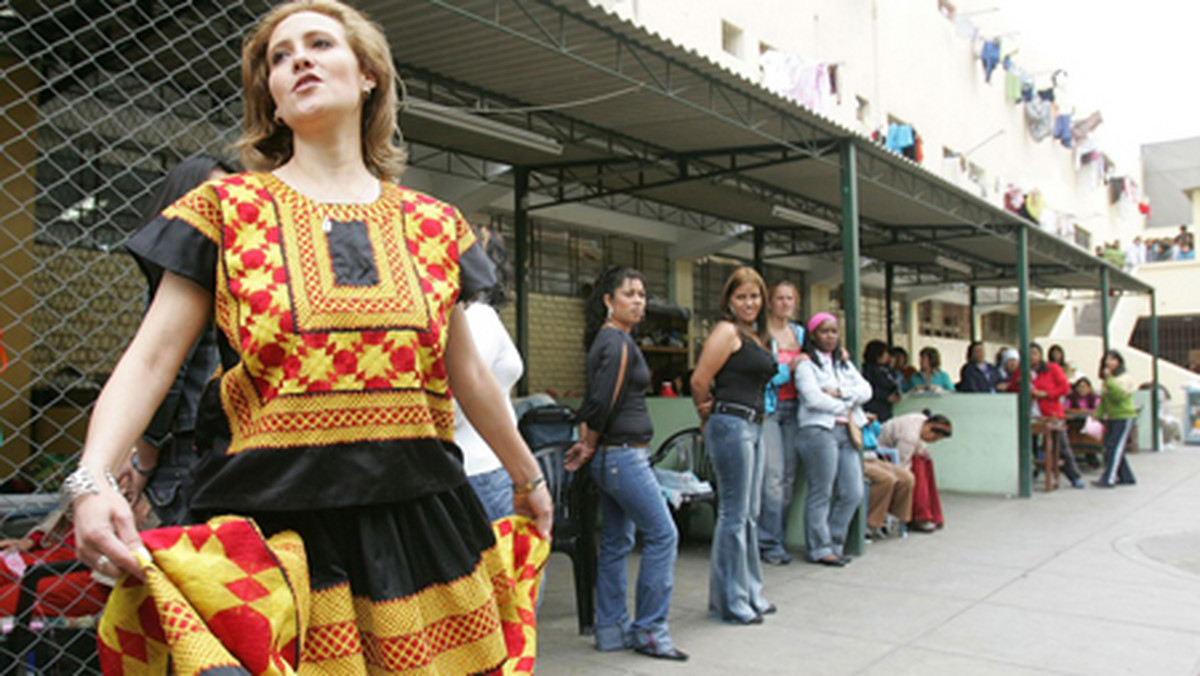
(404, 588)
(221, 599)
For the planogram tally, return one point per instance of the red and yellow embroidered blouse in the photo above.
(333, 323)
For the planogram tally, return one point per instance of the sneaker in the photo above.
(1078, 483)
(777, 558)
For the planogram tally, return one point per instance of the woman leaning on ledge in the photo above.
(728, 387)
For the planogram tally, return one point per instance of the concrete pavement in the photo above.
(1084, 582)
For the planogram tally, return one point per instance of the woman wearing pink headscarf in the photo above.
(831, 396)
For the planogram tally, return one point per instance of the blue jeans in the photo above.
(1116, 467)
(735, 583)
(780, 436)
(835, 488)
(494, 489)
(631, 499)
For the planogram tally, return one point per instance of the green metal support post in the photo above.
(850, 257)
(521, 269)
(760, 237)
(889, 285)
(1025, 399)
(1104, 292)
(855, 540)
(974, 301)
(1155, 423)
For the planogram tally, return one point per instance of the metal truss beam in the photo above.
(457, 164)
(636, 179)
(560, 30)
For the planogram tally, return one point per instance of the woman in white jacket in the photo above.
(831, 396)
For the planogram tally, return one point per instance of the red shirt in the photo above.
(1053, 382)
(788, 389)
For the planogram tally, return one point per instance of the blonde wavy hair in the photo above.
(266, 144)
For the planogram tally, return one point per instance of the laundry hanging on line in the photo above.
(899, 137)
(1039, 117)
(811, 84)
(1062, 130)
(1083, 128)
(990, 57)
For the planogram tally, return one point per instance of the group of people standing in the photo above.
(1052, 390)
(772, 396)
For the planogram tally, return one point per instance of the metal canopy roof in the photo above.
(637, 115)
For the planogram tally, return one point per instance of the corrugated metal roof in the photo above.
(643, 87)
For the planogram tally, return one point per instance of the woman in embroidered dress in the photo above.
(334, 294)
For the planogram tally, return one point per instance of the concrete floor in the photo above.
(1072, 582)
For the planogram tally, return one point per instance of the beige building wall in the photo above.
(556, 357)
(903, 59)
(1175, 283)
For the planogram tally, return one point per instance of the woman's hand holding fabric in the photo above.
(106, 534)
(537, 505)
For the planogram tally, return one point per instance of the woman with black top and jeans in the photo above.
(616, 429)
(728, 387)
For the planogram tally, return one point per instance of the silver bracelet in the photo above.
(81, 482)
(137, 466)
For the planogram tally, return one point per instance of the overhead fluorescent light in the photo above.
(951, 264)
(801, 218)
(477, 124)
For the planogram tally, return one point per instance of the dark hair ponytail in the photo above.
(941, 424)
(596, 312)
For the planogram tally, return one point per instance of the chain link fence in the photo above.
(98, 100)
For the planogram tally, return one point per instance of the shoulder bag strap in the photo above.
(612, 407)
(617, 390)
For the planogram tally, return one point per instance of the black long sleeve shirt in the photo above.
(628, 422)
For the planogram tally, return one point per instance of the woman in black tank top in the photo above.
(727, 387)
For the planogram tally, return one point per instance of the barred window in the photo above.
(565, 260)
(999, 327)
(872, 313)
(944, 320)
